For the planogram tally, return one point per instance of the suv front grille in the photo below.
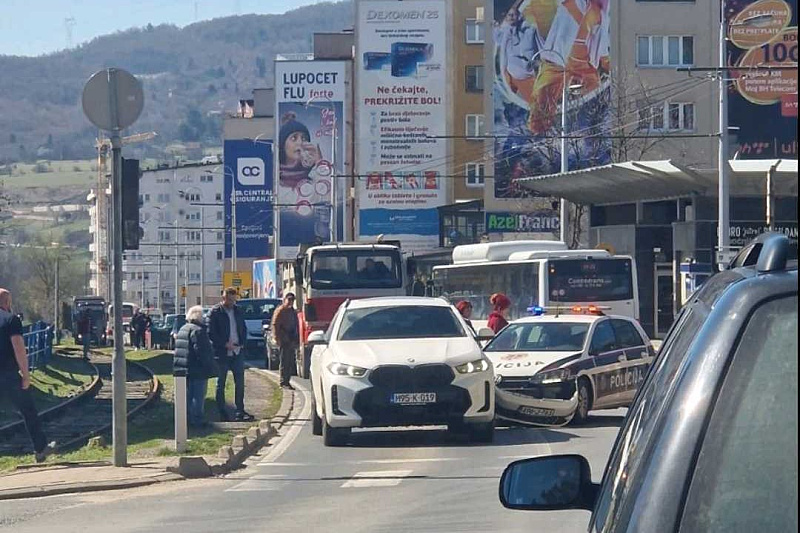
(409, 379)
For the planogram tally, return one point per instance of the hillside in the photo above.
(191, 76)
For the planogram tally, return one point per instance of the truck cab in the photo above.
(324, 276)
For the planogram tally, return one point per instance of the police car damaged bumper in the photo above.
(549, 406)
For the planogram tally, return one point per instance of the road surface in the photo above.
(387, 481)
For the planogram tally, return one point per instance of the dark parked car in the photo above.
(180, 320)
(710, 441)
(160, 332)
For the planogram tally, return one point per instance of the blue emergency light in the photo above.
(536, 310)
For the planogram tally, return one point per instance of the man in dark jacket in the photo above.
(227, 332)
(286, 333)
(194, 354)
(15, 379)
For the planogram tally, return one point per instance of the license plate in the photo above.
(413, 398)
(536, 411)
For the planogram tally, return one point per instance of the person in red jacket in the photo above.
(498, 318)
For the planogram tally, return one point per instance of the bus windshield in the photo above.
(355, 269)
(476, 283)
(590, 280)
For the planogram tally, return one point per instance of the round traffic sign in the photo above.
(112, 99)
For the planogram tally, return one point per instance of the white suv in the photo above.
(399, 362)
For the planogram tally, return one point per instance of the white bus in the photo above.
(538, 273)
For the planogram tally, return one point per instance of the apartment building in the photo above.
(179, 262)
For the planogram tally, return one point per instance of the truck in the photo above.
(325, 275)
(95, 306)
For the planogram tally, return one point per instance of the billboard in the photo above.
(401, 97)
(310, 97)
(265, 279)
(762, 103)
(248, 165)
(537, 45)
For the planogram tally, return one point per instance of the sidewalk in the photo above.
(65, 478)
(49, 479)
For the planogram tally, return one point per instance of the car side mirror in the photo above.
(549, 483)
(485, 334)
(317, 338)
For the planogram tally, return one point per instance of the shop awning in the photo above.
(635, 181)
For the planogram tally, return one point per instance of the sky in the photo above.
(36, 27)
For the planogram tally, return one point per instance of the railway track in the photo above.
(75, 424)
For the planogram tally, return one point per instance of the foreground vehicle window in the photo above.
(406, 322)
(746, 476)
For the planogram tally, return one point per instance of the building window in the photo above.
(474, 78)
(219, 215)
(219, 197)
(475, 174)
(473, 31)
(219, 255)
(163, 198)
(164, 236)
(665, 50)
(474, 125)
(669, 116)
(220, 236)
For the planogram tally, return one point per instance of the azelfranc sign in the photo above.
(544, 222)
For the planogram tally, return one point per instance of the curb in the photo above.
(49, 414)
(74, 488)
(242, 446)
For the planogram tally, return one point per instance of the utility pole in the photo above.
(177, 270)
(55, 297)
(233, 223)
(185, 281)
(202, 255)
(563, 206)
(158, 277)
(723, 193)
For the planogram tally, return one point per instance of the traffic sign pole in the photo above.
(112, 100)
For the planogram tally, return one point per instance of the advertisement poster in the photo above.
(265, 279)
(401, 96)
(310, 124)
(762, 103)
(535, 41)
(248, 165)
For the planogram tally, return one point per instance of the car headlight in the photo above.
(473, 367)
(559, 375)
(341, 369)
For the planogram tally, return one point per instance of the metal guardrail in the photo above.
(39, 343)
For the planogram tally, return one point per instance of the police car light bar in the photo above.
(590, 309)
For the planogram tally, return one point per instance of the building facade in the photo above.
(179, 262)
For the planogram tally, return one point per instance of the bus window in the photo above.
(476, 283)
(356, 269)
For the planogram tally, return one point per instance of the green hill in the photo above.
(191, 76)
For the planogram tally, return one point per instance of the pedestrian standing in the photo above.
(498, 318)
(286, 333)
(228, 333)
(15, 379)
(148, 324)
(417, 287)
(85, 332)
(194, 354)
(465, 310)
(138, 324)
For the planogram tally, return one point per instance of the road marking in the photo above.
(420, 460)
(388, 478)
(287, 464)
(294, 431)
(254, 485)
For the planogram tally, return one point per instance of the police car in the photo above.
(558, 364)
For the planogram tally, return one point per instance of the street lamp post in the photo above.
(723, 192)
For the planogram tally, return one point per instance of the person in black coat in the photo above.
(194, 354)
(228, 333)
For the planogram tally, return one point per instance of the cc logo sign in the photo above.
(250, 171)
